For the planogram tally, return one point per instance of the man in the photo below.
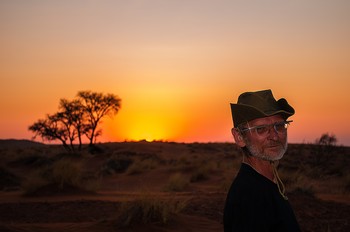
(256, 200)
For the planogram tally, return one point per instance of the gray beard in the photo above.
(267, 156)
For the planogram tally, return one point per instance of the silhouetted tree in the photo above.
(326, 144)
(95, 107)
(76, 118)
(72, 114)
(327, 140)
(50, 129)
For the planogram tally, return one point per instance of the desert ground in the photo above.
(157, 186)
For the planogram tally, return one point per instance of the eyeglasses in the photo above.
(263, 130)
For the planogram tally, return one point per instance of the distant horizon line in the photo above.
(144, 140)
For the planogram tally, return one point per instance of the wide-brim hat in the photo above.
(259, 104)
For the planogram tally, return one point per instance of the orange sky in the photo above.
(176, 65)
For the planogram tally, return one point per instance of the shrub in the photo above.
(35, 180)
(140, 166)
(62, 174)
(327, 140)
(66, 172)
(296, 181)
(176, 183)
(200, 174)
(148, 209)
(116, 165)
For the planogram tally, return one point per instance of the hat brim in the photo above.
(243, 113)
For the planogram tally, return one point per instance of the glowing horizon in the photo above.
(176, 65)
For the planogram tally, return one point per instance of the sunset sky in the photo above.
(176, 64)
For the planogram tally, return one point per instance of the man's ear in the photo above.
(238, 137)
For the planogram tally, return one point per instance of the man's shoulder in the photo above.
(247, 174)
(248, 182)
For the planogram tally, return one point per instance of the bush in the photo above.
(296, 181)
(62, 175)
(326, 144)
(327, 140)
(140, 166)
(116, 165)
(200, 174)
(176, 183)
(65, 172)
(34, 182)
(148, 209)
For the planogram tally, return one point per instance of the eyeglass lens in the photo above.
(280, 127)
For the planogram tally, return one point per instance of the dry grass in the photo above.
(65, 172)
(61, 174)
(303, 168)
(203, 171)
(177, 182)
(116, 164)
(142, 165)
(125, 170)
(148, 209)
(296, 181)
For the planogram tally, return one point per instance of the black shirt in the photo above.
(254, 204)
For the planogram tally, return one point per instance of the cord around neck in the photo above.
(279, 182)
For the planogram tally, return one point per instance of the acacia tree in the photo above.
(327, 140)
(50, 129)
(326, 144)
(72, 115)
(76, 118)
(96, 106)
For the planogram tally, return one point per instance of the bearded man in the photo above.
(256, 201)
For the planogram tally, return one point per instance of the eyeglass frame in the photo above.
(273, 125)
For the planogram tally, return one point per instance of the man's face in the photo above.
(270, 145)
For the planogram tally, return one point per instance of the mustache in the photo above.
(274, 143)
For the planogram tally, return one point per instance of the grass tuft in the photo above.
(62, 174)
(148, 209)
(176, 183)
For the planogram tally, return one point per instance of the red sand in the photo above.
(91, 212)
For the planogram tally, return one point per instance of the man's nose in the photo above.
(273, 132)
